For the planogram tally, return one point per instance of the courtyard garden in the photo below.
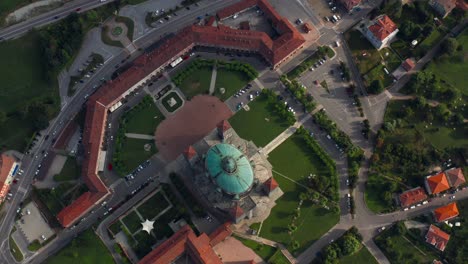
(135, 151)
(230, 81)
(194, 80)
(172, 102)
(70, 171)
(260, 123)
(87, 248)
(305, 175)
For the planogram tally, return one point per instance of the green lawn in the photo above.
(259, 124)
(263, 251)
(372, 195)
(297, 168)
(278, 258)
(132, 221)
(70, 171)
(87, 248)
(198, 82)
(153, 206)
(133, 152)
(362, 256)
(145, 120)
(22, 81)
(169, 96)
(230, 80)
(14, 249)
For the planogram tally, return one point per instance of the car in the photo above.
(452, 197)
(28, 212)
(347, 182)
(329, 137)
(56, 17)
(18, 210)
(43, 237)
(299, 21)
(15, 181)
(251, 97)
(78, 9)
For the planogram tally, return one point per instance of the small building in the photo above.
(307, 28)
(408, 64)
(436, 184)
(269, 186)
(436, 237)
(443, 7)
(224, 129)
(349, 4)
(237, 213)
(381, 31)
(7, 169)
(455, 177)
(190, 155)
(412, 197)
(445, 213)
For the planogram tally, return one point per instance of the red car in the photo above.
(109, 166)
(15, 181)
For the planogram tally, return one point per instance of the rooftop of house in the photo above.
(382, 27)
(437, 183)
(446, 212)
(436, 237)
(412, 196)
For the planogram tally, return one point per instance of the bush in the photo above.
(299, 92)
(376, 87)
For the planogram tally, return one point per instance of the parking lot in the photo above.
(256, 20)
(323, 9)
(32, 224)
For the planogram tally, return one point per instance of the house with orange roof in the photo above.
(455, 177)
(412, 197)
(7, 167)
(350, 4)
(445, 213)
(436, 184)
(381, 31)
(436, 237)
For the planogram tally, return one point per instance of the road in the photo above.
(68, 111)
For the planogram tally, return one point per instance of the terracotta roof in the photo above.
(448, 5)
(6, 163)
(383, 27)
(223, 126)
(236, 8)
(190, 152)
(236, 211)
(437, 183)
(446, 212)
(65, 135)
(412, 196)
(221, 233)
(182, 241)
(455, 177)
(349, 4)
(270, 184)
(436, 237)
(462, 4)
(78, 208)
(408, 64)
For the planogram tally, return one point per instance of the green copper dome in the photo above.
(229, 168)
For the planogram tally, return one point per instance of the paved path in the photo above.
(285, 135)
(139, 136)
(213, 79)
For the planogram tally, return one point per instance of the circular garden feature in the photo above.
(116, 31)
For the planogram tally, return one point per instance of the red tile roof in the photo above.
(383, 27)
(221, 233)
(65, 136)
(408, 64)
(236, 8)
(437, 183)
(455, 177)
(184, 240)
(462, 4)
(446, 212)
(436, 237)
(270, 184)
(190, 152)
(349, 4)
(236, 211)
(412, 196)
(78, 208)
(6, 163)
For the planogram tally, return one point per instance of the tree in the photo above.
(400, 228)
(350, 245)
(376, 87)
(409, 30)
(3, 117)
(449, 46)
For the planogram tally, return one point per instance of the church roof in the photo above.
(190, 152)
(271, 184)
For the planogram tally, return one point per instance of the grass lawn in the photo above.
(166, 99)
(362, 256)
(259, 124)
(198, 82)
(87, 248)
(232, 81)
(304, 163)
(132, 221)
(116, 227)
(70, 171)
(23, 81)
(133, 152)
(145, 121)
(263, 251)
(14, 249)
(129, 23)
(372, 196)
(144, 243)
(153, 206)
(278, 258)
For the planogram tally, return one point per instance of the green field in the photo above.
(230, 80)
(145, 120)
(70, 171)
(8, 6)
(198, 82)
(132, 221)
(133, 152)
(263, 251)
(362, 256)
(23, 81)
(87, 248)
(259, 124)
(165, 102)
(278, 258)
(153, 206)
(14, 249)
(304, 163)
